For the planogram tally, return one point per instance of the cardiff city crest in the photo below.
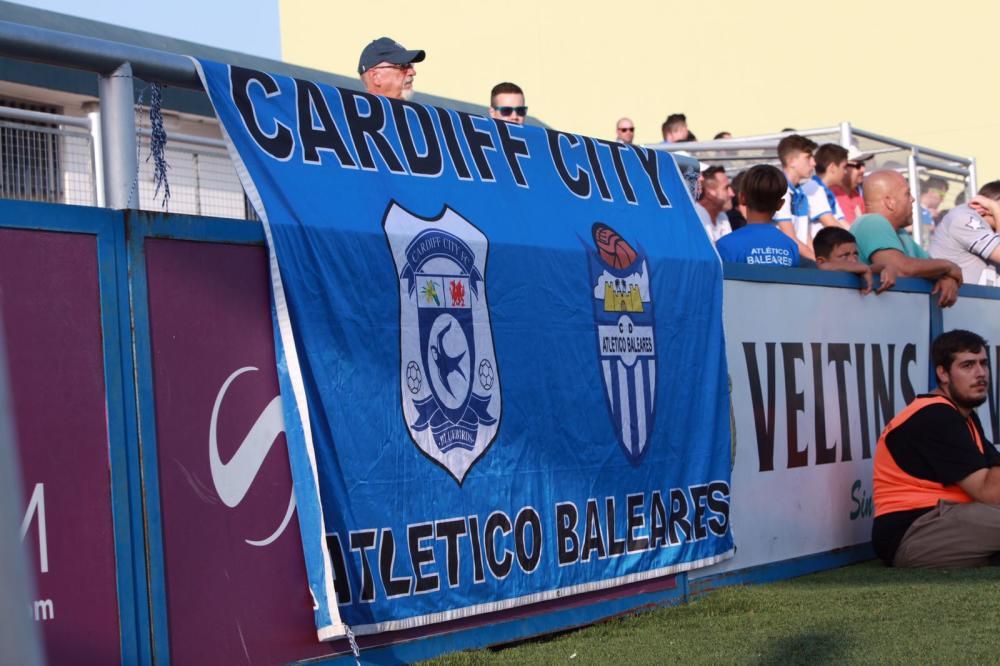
(626, 346)
(448, 374)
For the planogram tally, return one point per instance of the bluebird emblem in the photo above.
(449, 381)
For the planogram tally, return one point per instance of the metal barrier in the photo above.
(912, 160)
(201, 177)
(46, 157)
(137, 320)
(117, 165)
(51, 157)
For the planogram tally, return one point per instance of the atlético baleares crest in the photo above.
(448, 374)
(626, 345)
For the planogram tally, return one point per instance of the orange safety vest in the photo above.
(895, 490)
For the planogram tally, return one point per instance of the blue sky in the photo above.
(251, 25)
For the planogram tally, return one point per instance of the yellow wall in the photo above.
(920, 72)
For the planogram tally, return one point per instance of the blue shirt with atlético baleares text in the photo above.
(759, 244)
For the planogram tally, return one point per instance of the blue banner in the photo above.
(505, 349)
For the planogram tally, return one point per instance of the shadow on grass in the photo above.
(874, 574)
(809, 647)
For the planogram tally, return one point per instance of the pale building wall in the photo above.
(917, 71)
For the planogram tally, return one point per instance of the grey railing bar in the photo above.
(42, 117)
(192, 139)
(902, 144)
(941, 166)
(52, 47)
(720, 145)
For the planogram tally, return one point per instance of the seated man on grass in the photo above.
(937, 477)
(881, 239)
(760, 242)
(837, 250)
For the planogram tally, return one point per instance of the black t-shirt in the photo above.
(934, 444)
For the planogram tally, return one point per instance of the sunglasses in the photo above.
(856, 165)
(508, 110)
(626, 129)
(403, 67)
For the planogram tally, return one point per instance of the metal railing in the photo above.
(201, 177)
(51, 157)
(912, 160)
(46, 157)
(117, 165)
(115, 64)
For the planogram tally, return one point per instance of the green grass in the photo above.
(860, 614)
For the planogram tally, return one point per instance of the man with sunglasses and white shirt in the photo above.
(386, 68)
(507, 103)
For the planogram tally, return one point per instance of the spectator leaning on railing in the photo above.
(881, 239)
(968, 236)
(837, 250)
(760, 242)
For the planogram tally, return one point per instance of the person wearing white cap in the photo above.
(848, 193)
(386, 68)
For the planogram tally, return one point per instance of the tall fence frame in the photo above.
(911, 160)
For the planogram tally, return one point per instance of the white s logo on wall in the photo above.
(233, 479)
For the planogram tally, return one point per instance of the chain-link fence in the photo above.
(45, 157)
(202, 180)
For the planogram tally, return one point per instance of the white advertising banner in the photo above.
(982, 316)
(816, 374)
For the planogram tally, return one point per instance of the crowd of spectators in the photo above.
(819, 210)
(833, 215)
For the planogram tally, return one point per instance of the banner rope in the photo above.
(354, 645)
(157, 143)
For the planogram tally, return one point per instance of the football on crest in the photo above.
(613, 249)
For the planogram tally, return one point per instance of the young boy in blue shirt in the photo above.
(760, 242)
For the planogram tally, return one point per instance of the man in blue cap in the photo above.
(386, 68)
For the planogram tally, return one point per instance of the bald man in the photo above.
(881, 239)
(625, 130)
